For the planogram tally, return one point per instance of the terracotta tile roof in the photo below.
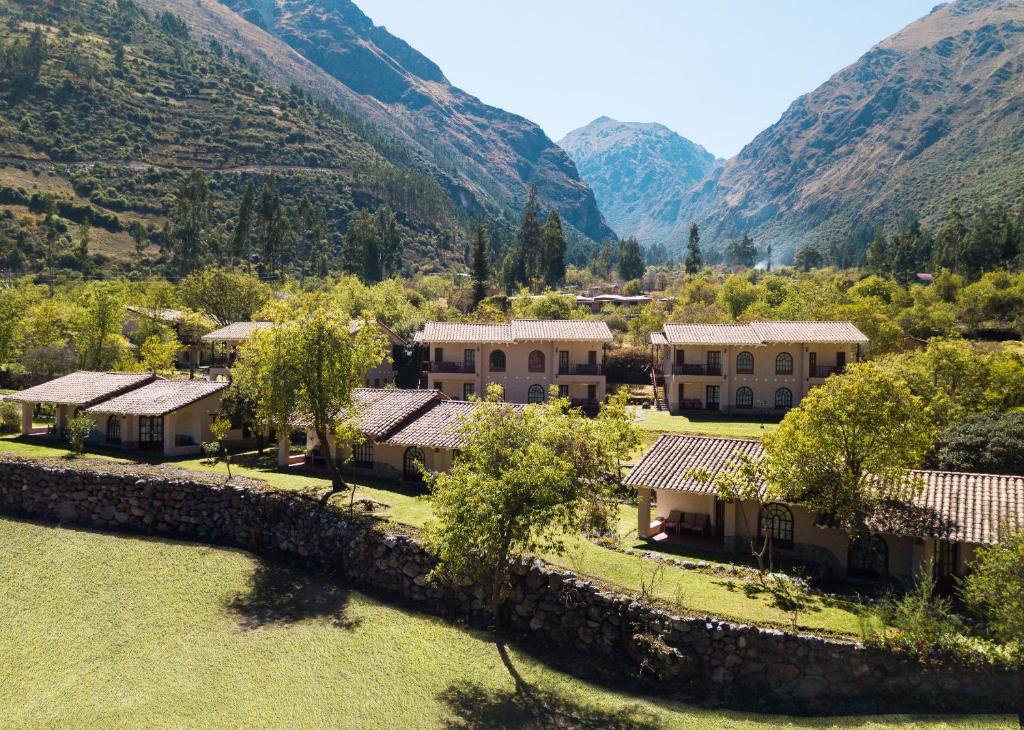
(761, 333)
(518, 330)
(438, 427)
(236, 331)
(669, 463)
(952, 505)
(959, 507)
(166, 315)
(658, 338)
(159, 398)
(391, 336)
(381, 410)
(82, 388)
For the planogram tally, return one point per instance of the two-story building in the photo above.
(525, 357)
(758, 367)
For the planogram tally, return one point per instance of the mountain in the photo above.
(934, 111)
(487, 157)
(638, 173)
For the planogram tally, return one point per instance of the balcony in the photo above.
(823, 371)
(587, 405)
(452, 367)
(581, 369)
(712, 370)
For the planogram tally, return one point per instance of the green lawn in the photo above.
(100, 630)
(705, 425)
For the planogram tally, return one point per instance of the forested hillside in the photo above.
(934, 112)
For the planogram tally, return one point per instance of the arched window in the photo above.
(776, 520)
(744, 397)
(535, 394)
(783, 364)
(783, 399)
(113, 430)
(868, 557)
(744, 363)
(536, 362)
(412, 465)
(362, 454)
(498, 361)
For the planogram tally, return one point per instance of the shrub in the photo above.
(77, 431)
(987, 443)
(628, 365)
(995, 588)
(10, 417)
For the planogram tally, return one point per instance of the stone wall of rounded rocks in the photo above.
(703, 657)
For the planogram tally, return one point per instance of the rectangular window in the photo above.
(592, 357)
(438, 354)
(469, 361)
(563, 391)
(712, 397)
(468, 390)
(591, 393)
(563, 362)
(812, 363)
(680, 357)
(362, 454)
(714, 362)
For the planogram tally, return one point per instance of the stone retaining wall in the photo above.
(704, 657)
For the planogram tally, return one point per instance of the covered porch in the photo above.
(682, 518)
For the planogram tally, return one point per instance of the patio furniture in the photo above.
(695, 523)
(672, 521)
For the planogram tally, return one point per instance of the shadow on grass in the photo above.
(527, 706)
(281, 595)
(777, 598)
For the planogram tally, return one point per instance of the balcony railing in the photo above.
(452, 367)
(696, 369)
(581, 369)
(588, 405)
(823, 371)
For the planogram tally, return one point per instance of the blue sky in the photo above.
(717, 72)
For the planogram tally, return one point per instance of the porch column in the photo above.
(170, 429)
(27, 409)
(283, 450)
(643, 512)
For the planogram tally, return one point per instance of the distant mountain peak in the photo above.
(632, 166)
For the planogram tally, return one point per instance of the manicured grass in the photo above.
(101, 630)
(706, 425)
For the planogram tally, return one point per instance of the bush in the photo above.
(77, 431)
(630, 365)
(994, 589)
(986, 443)
(10, 417)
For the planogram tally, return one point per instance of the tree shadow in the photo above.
(281, 595)
(528, 706)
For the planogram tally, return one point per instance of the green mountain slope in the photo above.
(637, 172)
(934, 111)
(122, 102)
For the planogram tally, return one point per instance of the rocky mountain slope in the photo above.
(488, 157)
(638, 173)
(934, 111)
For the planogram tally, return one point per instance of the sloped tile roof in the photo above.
(166, 315)
(669, 463)
(381, 410)
(236, 331)
(952, 505)
(518, 330)
(393, 337)
(658, 338)
(762, 333)
(440, 426)
(82, 388)
(159, 398)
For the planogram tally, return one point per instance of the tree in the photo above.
(310, 367)
(215, 449)
(481, 268)
(553, 244)
(239, 248)
(390, 242)
(227, 296)
(528, 239)
(157, 354)
(525, 479)
(741, 252)
(191, 215)
(279, 241)
(616, 424)
(807, 258)
(847, 448)
(139, 237)
(98, 341)
(77, 431)
(994, 587)
(694, 261)
(986, 443)
(877, 260)
(361, 247)
(631, 260)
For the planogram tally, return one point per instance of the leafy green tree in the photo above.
(631, 260)
(310, 367)
(215, 449)
(191, 216)
(877, 260)
(157, 354)
(526, 478)
(139, 237)
(529, 240)
(98, 340)
(847, 448)
(279, 242)
(741, 252)
(390, 242)
(226, 296)
(694, 261)
(481, 266)
(949, 240)
(987, 443)
(77, 431)
(736, 294)
(994, 587)
(808, 257)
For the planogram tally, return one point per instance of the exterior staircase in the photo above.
(660, 399)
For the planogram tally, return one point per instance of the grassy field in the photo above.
(99, 630)
(732, 598)
(704, 425)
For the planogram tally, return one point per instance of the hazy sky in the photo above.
(717, 71)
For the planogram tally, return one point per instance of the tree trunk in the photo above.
(337, 481)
